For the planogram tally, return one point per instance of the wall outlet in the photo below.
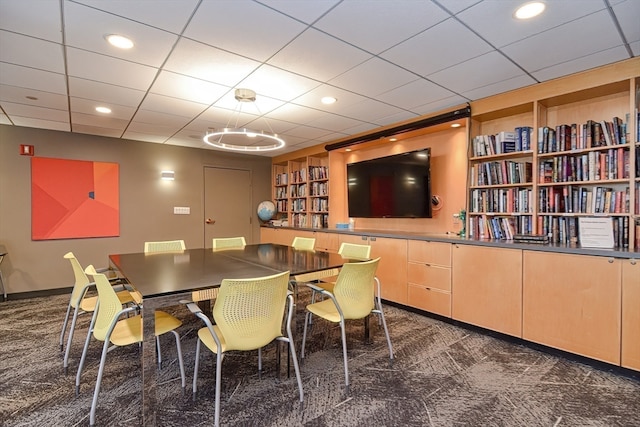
(178, 210)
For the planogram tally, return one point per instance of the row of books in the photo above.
(319, 188)
(501, 172)
(320, 204)
(565, 230)
(298, 190)
(503, 142)
(573, 199)
(501, 200)
(320, 220)
(299, 176)
(592, 166)
(282, 179)
(281, 206)
(591, 134)
(298, 205)
(299, 220)
(281, 192)
(318, 172)
(500, 228)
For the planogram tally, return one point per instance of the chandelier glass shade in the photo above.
(240, 138)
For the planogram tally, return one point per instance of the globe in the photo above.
(266, 210)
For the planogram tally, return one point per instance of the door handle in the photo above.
(210, 221)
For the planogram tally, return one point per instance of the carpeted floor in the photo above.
(443, 375)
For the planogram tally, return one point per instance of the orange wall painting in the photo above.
(74, 199)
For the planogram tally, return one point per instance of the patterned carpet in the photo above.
(443, 375)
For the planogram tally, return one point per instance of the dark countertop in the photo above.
(453, 238)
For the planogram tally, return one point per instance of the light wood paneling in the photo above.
(630, 356)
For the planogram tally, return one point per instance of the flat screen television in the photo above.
(397, 186)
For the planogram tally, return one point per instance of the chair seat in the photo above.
(129, 331)
(207, 339)
(325, 309)
(327, 286)
(88, 304)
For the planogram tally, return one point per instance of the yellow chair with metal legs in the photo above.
(356, 294)
(248, 314)
(227, 243)
(109, 325)
(304, 243)
(81, 303)
(347, 251)
(164, 246)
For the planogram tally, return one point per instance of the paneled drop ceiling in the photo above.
(385, 61)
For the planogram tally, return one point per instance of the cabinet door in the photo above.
(392, 270)
(487, 287)
(630, 357)
(327, 241)
(279, 235)
(572, 302)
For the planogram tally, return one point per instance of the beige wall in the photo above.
(146, 202)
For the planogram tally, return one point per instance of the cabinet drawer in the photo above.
(431, 300)
(430, 276)
(430, 252)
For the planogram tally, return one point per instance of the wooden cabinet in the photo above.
(630, 354)
(429, 276)
(573, 303)
(329, 242)
(542, 157)
(301, 191)
(392, 270)
(487, 287)
(281, 236)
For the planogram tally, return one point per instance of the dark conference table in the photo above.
(165, 278)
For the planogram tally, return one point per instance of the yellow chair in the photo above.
(81, 303)
(350, 251)
(225, 243)
(164, 246)
(355, 295)
(304, 243)
(248, 314)
(107, 325)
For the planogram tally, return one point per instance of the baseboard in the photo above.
(39, 294)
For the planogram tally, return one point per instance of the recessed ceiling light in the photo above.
(456, 125)
(119, 41)
(328, 100)
(347, 149)
(393, 139)
(529, 10)
(104, 110)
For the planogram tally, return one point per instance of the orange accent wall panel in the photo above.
(74, 199)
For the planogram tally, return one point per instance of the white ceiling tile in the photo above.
(477, 72)
(31, 52)
(628, 14)
(92, 66)
(635, 48)
(96, 130)
(86, 28)
(36, 18)
(275, 83)
(400, 116)
(493, 20)
(168, 120)
(334, 123)
(171, 15)
(242, 26)
(328, 58)
(414, 94)
(187, 88)
(369, 110)
(23, 110)
(98, 121)
(15, 75)
(580, 64)
(169, 105)
(306, 11)
(307, 132)
(426, 53)
(441, 104)
(164, 131)
(373, 78)
(499, 87)
(40, 123)
(296, 114)
(207, 63)
(151, 136)
(313, 98)
(372, 34)
(104, 93)
(566, 42)
(4, 120)
(44, 99)
(88, 106)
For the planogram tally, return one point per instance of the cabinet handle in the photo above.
(373, 239)
(610, 260)
(633, 262)
(427, 289)
(426, 264)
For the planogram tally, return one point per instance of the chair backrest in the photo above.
(109, 304)
(249, 312)
(81, 280)
(354, 251)
(355, 288)
(304, 243)
(229, 243)
(164, 246)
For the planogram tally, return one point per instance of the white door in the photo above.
(227, 204)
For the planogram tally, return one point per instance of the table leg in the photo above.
(149, 371)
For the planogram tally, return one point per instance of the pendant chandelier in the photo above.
(240, 138)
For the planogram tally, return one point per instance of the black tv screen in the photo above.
(397, 186)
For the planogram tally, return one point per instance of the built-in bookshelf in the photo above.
(566, 150)
(301, 192)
